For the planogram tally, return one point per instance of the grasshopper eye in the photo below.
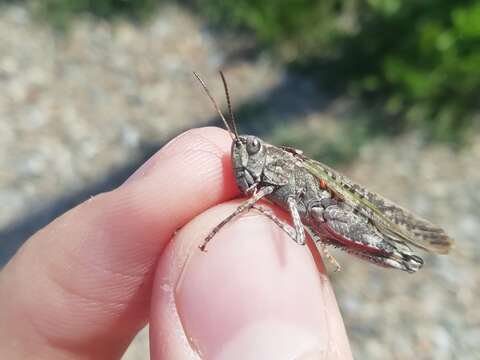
(253, 146)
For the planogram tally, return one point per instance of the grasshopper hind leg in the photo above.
(347, 230)
(323, 248)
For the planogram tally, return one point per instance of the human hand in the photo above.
(83, 286)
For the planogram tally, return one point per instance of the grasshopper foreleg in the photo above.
(282, 225)
(297, 221)
(298, 235)
(248, 204)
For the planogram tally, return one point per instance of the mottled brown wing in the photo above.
(391, 219)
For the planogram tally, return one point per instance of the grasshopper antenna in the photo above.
(227, 94)
(234, 135)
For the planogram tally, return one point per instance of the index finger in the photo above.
(82, 285)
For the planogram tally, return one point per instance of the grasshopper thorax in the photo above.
(248, 160)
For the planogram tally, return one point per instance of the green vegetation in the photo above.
(420, 60)
(60, 13)
(423, 56)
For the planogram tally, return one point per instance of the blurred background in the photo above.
(385, 90)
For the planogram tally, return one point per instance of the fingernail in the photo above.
(256, 295)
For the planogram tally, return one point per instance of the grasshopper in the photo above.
(328, 206)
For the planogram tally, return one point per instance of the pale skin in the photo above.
(83, 286)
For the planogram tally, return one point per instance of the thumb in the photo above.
(254, 295)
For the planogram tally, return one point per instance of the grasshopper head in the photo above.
(248, 159)
(248, 152)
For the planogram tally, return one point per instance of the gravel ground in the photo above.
(79, 113)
